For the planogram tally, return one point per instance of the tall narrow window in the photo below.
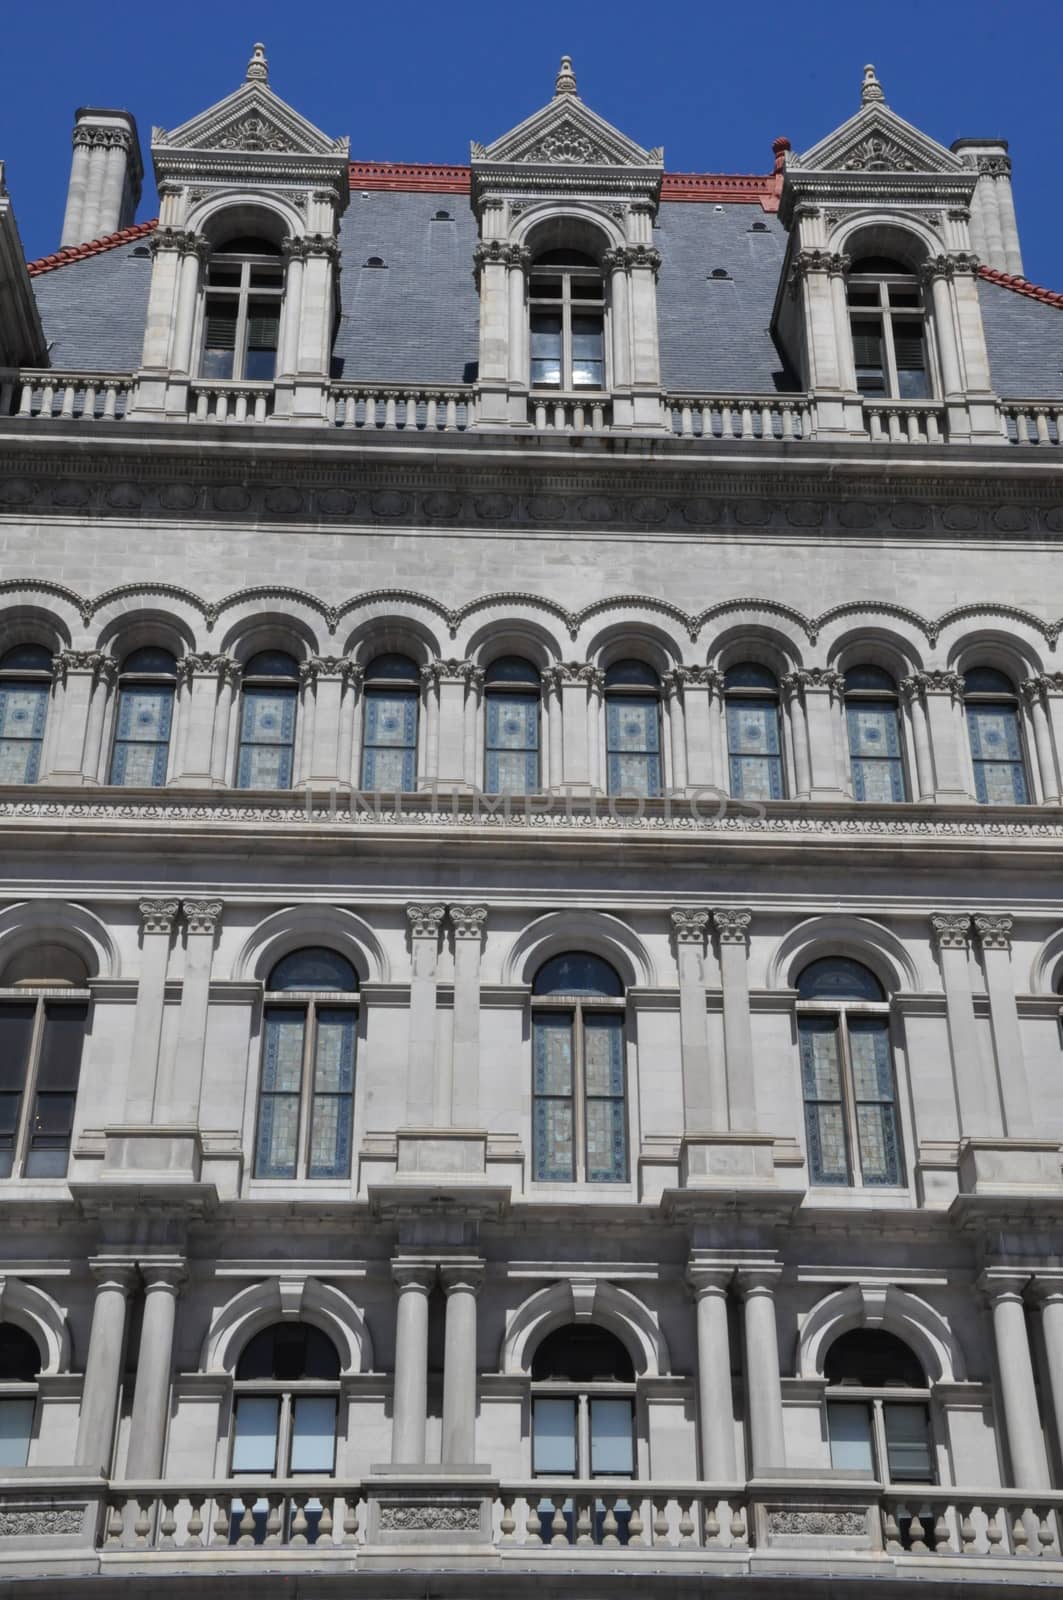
(878, 1413)
(511, 696)
(633, 728)
(285, 1402)
(873, 725)
(20, 1365)
(389, 743)
(567, 307)
(889, 340)
(43, 1019)
(754, 747)
(851, 1123)
(267, 721)
(306, 1100)
(145, 717)
(25, 684)
(583, 1418)
(579, 1129)
(241, 311)
(993, 728)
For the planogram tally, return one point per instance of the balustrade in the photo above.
(904, 421)
(388, 408)
(230, 401)
(1029, 422)
(555, 414)
(761, 417)
(99, 396)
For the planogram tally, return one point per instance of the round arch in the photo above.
(281, 1300)
(585, 1300)
(33, 922)
(37, 1314)
(910, 241)
(230, 213)
(555, 225)
(1046, 971)
(596, 931)
(298, 926)
(858, 938)
(886, 1306)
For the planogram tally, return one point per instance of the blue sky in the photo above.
(411, 81)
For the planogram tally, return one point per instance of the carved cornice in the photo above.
(732, 927)
(993, 933)
(468, 921)
(158, 916)
(689, 926)
(952, 930)
(110, 137)
(425, 920)
(202, 916)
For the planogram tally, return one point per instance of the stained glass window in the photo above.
(389, 743)
(873, 727)
(579, 1117)
(145, 715)
(267, 723)
(996, 739)
(633, 729)
(23, 711)
(512, 693)
(754, 750)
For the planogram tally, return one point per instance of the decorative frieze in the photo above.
(429, 1517)
(45, 1522)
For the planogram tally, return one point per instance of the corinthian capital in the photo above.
(994, 933)
(341, 667)
(468, 921)
(732, 927)
(202, 916)
(952, 930)
(97, 663)
(689, 925)
(936, 681)
(425, 920)
(157, 916)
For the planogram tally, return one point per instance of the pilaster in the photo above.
(84, 680)
(469, 923)
(425, 921)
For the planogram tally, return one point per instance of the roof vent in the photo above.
(142, 252)
(759, 227)
(374, 261)
(443, 216)
(719, 272)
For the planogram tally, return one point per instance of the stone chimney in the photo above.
(106, 174)
(994, 232)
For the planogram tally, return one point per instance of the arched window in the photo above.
(306, 1099)
(583, 1418)
(579, 1126)
(887, 320)
(241, 311)
(511, 747)
(25, 684)
(884, 1427)
(145, 717)
(851, 1121)
(267, 722)
(42, 1033)
(389, 743)
(992, 709)
(633, 728)
(873, 725)
(20, 1365)
(285, 1399)
(567, 308)
(754, 747)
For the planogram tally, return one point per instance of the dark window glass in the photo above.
(56, 1091)
(873, 1359)
(314, 968)
(219, 345)
(272, 664)
(288, 1352)
(749, 675)
(398, 667)
(27, 658)
(836, 978)
(20, 1359)
(511, 669)
(150, 659)
(582, 1353)
(631, 673)
(576, 973)
(16, 1035)
(871, 678)
(546, 349)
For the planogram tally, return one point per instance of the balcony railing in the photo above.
(370, 408)
(227, 400)
(561, 414)
(1032, 422)
(761, 417)
(88, 396)
(904, 421)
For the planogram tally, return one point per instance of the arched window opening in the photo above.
(25, 685)
(851, 1121)
(389, 745)
(42, 1035)
(754, 744)
(20, 1365)
(146, 686)
(285, 1400)
(878, 1416)
(267, 722)
(579, 1122)
(889, 338)
(567, 309)
(633, 728)
(306, 1097)
(583, 1419)
(995, 734)
(512, 693)
(873, 726)
(241, 311)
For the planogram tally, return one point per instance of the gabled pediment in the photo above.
(876, 139)
(253, 120)
(566, 133)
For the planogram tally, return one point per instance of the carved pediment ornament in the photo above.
(254, 133)
(876, 153)
(567, 145)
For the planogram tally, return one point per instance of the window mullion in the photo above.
(306, 1097)
(566, 332)
(579, 1096)
(878, 1429)
(284, 1436)
(583, 1436)
(849, 1097)
(242, 305)
(890, 354)
(29, 1091)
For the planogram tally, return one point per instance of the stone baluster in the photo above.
(716, 1429)
(977, 1112)
(732, 937)
(83, 683)
(468, 923)
(756, 1286)
(414, 1282)
(115, 1280)
(151, 1394)
(179, 1091)
(461, 1285)
(425, 922)
(1003, 1290)
(157, 919)
(704, 1085)
(994, 936)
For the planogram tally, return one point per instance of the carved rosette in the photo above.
(952, 930)
(993, 932)
(158, 916)
(202, 916)
(689, 926)
(43, 1522)
(732, 927)
(468, 921)
(425, 920)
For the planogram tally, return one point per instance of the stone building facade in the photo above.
(531, 958)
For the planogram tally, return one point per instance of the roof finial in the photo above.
(872, 89)
(258, 66)
(566, 78)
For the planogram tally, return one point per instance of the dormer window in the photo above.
(241, 322)
(567, 299)
(889, 336)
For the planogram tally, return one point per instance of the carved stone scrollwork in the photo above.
(97, 662)
(452, 671)
(202, 916)
(563, 672)
(311, 244)
(429, 1518)
(201, 666)
(878, 154)
(1038, 689)
(689, 926)
(468, 921)
(732, 927)
(833, 262)
(994, 166)
(994, 933)
(44, 1522)
(425, 920)
(796, 684)
(329, 667)
(681, 678)
(936, 681)
(818, 1524)
(952, 930)
(157, 916)
(567, 145)
(958, 264)
(254, 133)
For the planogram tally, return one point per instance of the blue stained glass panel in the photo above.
(267, 735)
(996, 749)
(828, 1156)
(330, 1121)
(553, 1147)
(23, 709)
(512, 755)
(278, 1111)
(875, 751)
(754, 756)
(603, 1051)
(632, 727)
(389, 757)
(142, 736)
(873, 1091)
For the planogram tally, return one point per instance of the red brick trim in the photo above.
(1017, 285)
(94, 247)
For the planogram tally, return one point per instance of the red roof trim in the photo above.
(400, 177)
(94, 247)
(1018, 285)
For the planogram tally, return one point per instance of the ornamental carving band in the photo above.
(425, 920)
(157, 916)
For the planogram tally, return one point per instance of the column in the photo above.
(103, 1364)
(179, 1098)
(837, 273)
(716, 1427)
(704, 1089)
(221, 764)
(156, 926)
(792, 686)
(151, 1394)
(474, 685)
(461, 1285)
(469, 923)
(409, 1408)
(193, 250)
(943, 698)
(518, 259)
(83, 683)
(1036, 692)
(732, 934)
(424, 921)
(975, 1108)
(615, 263)
(994, 936)
(1003, 1290)
(325, 680)
(75, 202)
(756, 1286)
(1047, 1294)
(936, 273)
(200, 678)
(912, 690)
(294, 252)
(674, 685)
(555, 719)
